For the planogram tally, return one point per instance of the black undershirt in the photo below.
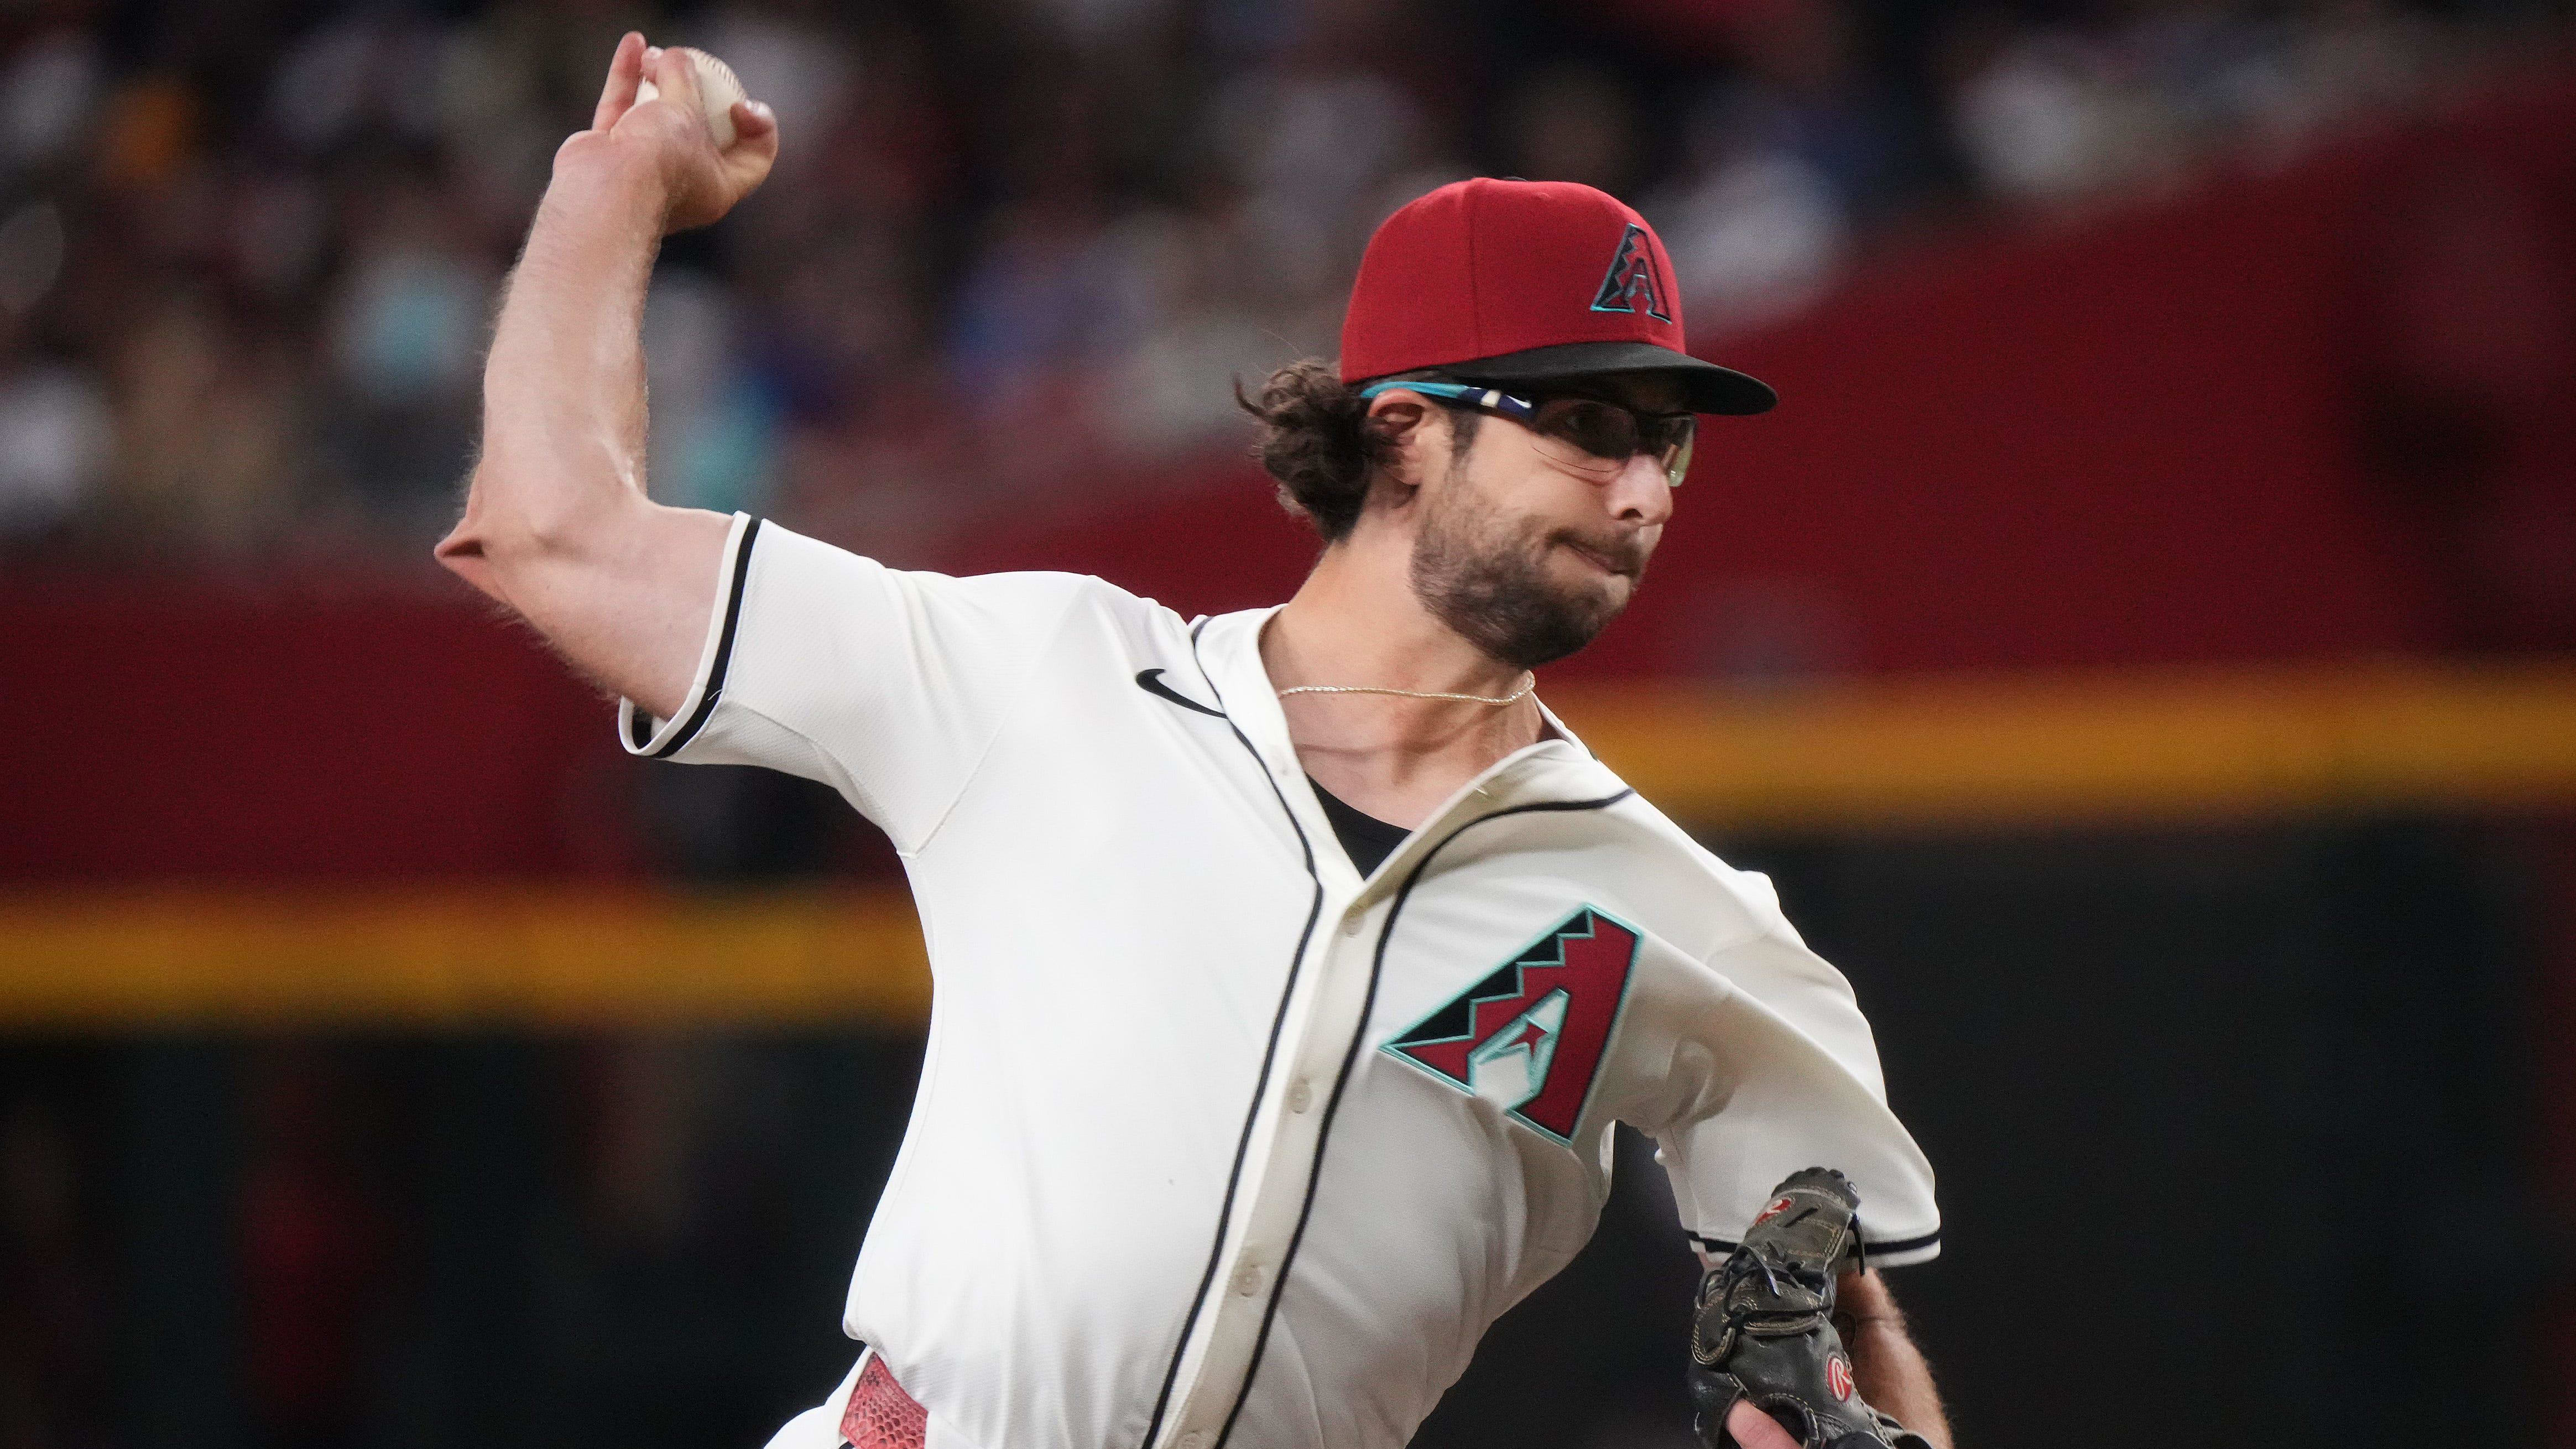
(1365, 838)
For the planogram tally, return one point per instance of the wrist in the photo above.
(599, 179)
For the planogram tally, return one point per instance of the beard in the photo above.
(1485, 576)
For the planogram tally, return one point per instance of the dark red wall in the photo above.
(232, 731)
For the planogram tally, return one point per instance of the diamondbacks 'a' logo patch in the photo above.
(1631, 283)
(1529, 1038)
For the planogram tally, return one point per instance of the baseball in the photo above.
(717, 87)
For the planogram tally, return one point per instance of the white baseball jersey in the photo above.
(1218, 1142)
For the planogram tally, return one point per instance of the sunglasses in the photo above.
(1583, 434)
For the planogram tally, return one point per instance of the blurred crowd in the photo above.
(249, 252)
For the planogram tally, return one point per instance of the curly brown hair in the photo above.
(1317, 441)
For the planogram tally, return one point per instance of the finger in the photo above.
(625, 72)
(755, 146)
(755, 132)
(1755, 1429)
(677, 75)
(754, 119)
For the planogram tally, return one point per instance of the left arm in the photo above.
(1891, 1370)
(1791, 1327)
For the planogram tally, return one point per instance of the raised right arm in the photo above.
(557, 523)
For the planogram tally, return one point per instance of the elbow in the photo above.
(476, 544)
(465, 552)
(491, 539)
(464, 541)
(504, 528)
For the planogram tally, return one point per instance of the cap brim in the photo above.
(1706, 387)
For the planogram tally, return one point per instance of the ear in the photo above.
(1419, 448)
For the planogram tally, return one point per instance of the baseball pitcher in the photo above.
(1292, 966)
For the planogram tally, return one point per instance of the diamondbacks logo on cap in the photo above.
(1529, 1037)
(1631, 280)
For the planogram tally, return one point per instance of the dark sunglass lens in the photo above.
(1598, 428)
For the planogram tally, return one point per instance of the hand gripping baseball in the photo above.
(1765, 1333)
(701, 181)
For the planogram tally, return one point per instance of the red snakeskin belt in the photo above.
(881, 1415)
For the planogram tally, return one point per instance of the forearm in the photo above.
(1892, 1373)
(563, 387)
(557, 524)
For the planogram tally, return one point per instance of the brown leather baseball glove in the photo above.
(1765, 1327)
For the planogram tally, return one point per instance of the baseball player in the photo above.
(1292, 966)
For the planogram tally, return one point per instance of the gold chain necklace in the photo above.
(1529, 682)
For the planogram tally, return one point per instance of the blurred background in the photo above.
(2142, 648)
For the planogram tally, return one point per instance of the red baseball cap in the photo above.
(1527, 281)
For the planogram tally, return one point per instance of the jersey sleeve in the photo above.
(1786, 1075)
(885, 684)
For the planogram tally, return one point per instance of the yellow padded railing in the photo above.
(2125, 749)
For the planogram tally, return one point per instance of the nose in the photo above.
(1640, 494)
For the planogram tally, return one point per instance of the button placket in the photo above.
(1324, 1025)
(1324, 1029)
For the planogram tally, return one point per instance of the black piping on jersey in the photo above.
(724, 653)
(1350, 1059)
(1151, 681)
(1269, 1053)
(1723, 1246)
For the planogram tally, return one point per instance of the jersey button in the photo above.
(1248, 1282)
(1300, 1096)
(1195, 1439)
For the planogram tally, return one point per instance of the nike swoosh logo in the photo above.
(1151, 681)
